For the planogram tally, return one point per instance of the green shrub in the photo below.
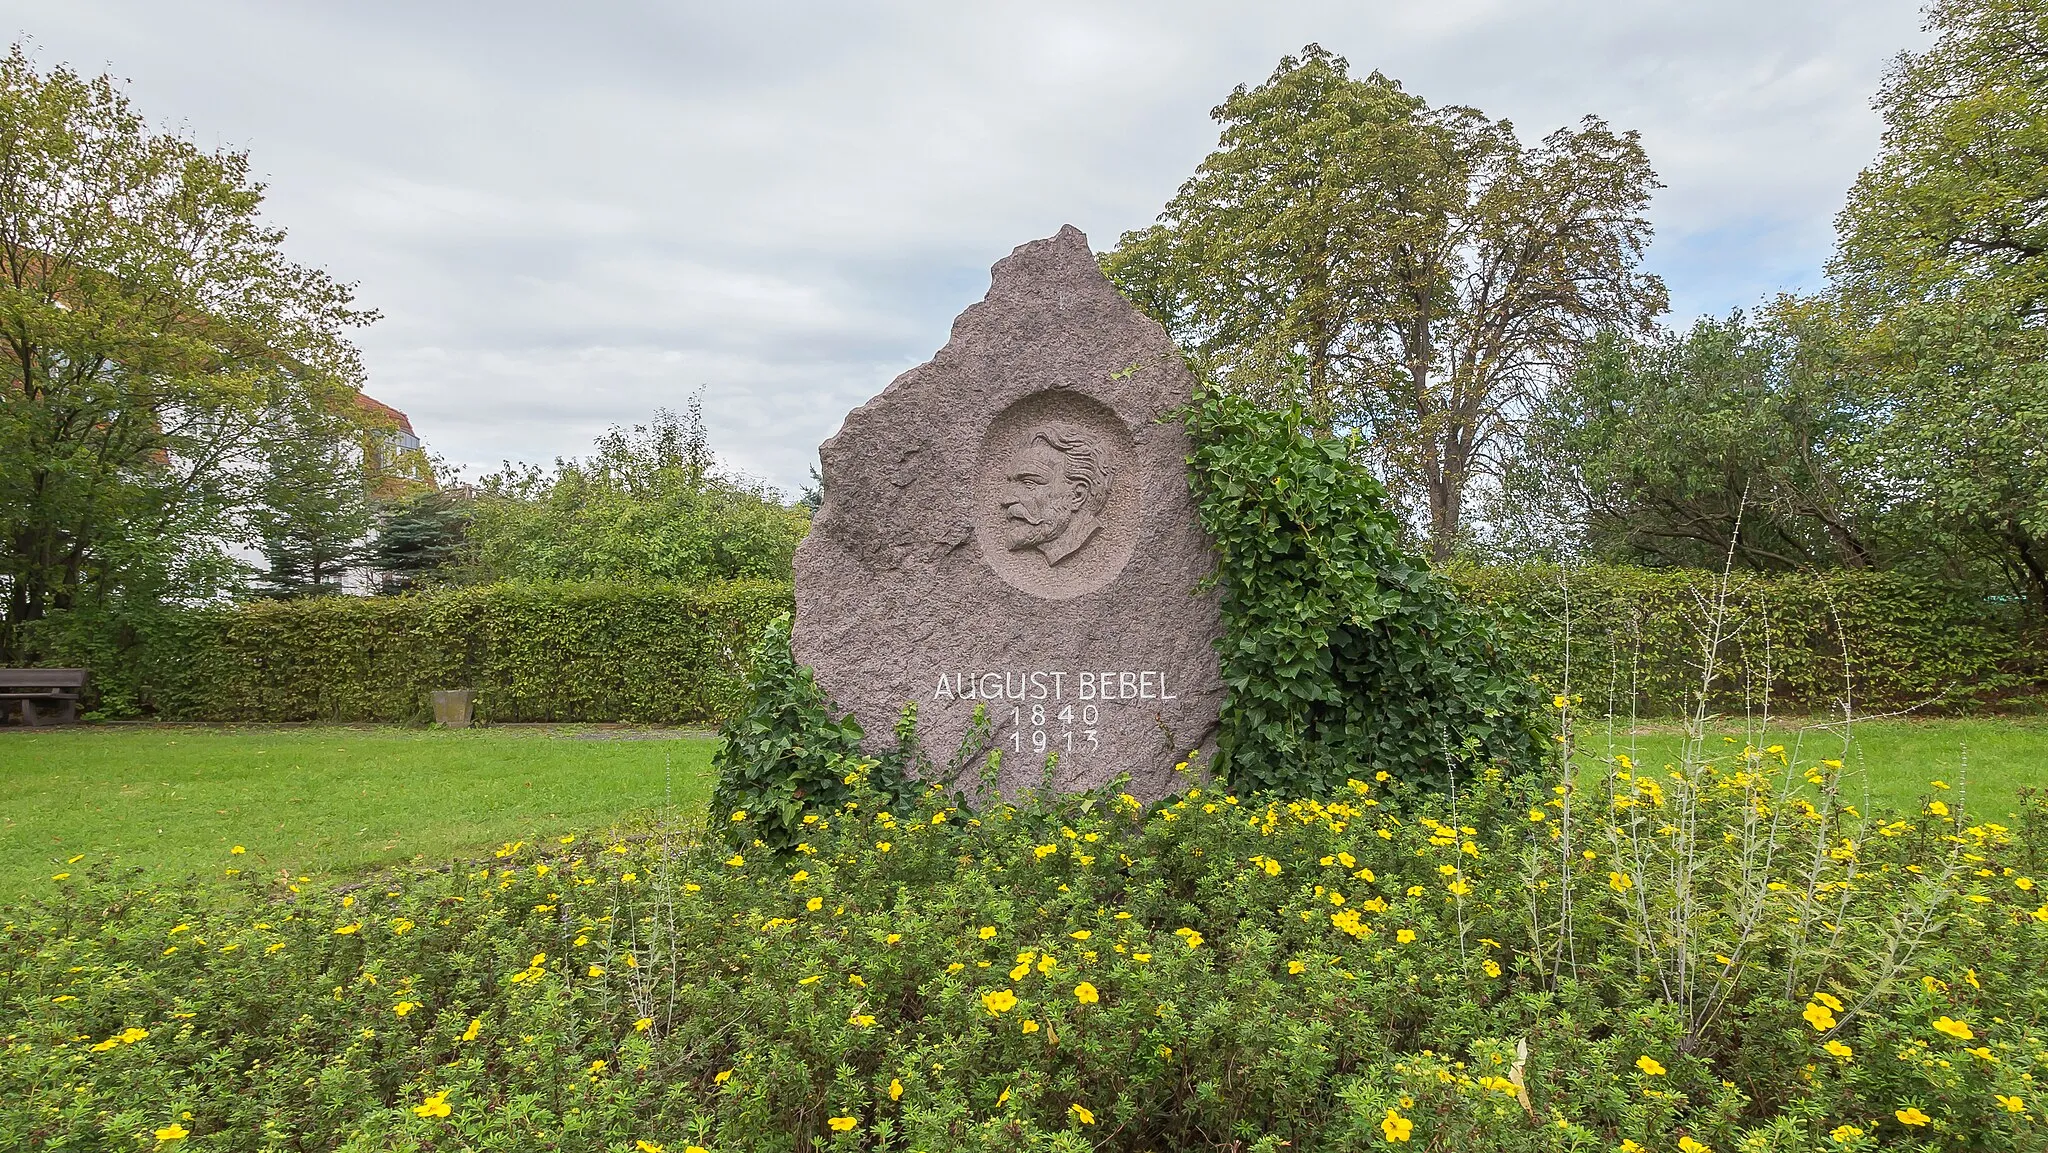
(783, 754)
(1085, 972)
(1635, 638)
(663, 653)
(561, 652)
(1343, 653)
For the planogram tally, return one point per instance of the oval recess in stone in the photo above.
(1058, 495)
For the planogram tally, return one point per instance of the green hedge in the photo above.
(669, 654)
(532, 652)
(1633, 632)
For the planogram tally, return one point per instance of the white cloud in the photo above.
(570, 215)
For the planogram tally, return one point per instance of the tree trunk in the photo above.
(1446, 510)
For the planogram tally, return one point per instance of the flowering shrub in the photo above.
(1718, 957)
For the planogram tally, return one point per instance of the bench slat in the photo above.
(42, 678)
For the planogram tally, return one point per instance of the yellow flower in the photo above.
(1688, 1145)
(1295, 968)
(404, 1007)
(1396, 1127)
(345, 930)
(1649, 1066)
(1839, 1051)
(651, 1147)
(1085, 993)
(736, 860)
(1030, 1027)
(2011, 1104)
(1843, 1134)
(1983, 1053)
(722, 1077)
(436, 1105)
(895, 1090)
(1404, 936)
(842, 1124)
(1953, 1028)
(1829, 1000)
(861, 1020)
(999, 1002)
(1818, 1016)
(1911, 1115)
(172, 1132)
(643, 1024)
(814, 904)
(1619, 882)
(238, 850)
(1002, 1097)
(1491, 967)
(1080, 934)
(988, 932)
(1626, 1146)
(1081, 1113)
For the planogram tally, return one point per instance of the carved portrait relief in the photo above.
(1055, 488)
(1058, 517)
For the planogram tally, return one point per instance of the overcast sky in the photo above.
(572, 214)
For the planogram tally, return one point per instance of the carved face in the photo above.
(1038, 498)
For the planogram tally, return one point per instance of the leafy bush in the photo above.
(1637, 638)
(591, 652)
(1391, 968)
(1340, 649)
(642, 652)
(650, 504)
(783, 754)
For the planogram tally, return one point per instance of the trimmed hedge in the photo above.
(1640, 632)
(532, 652)
(672, 654)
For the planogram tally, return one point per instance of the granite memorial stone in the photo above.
(1009, 526)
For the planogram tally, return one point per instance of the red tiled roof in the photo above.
(378, 408)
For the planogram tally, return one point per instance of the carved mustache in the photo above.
(1016, 511)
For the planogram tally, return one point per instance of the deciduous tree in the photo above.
(1737, 434)
(1943, 264)
(148, 321)
(1413, 270)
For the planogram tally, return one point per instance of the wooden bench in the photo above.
(40, 689)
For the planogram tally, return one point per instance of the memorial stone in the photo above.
(1009, 526)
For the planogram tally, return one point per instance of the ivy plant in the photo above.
(1344, 655)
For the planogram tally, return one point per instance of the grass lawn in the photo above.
(1889, 763)
(176, 799)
